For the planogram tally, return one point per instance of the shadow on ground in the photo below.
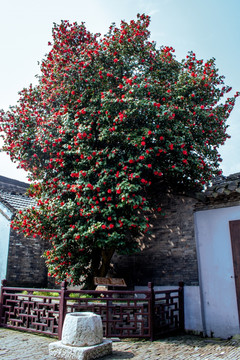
(119, 355)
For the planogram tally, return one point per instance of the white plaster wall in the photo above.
(217, 284)
(192, 309)
(192, 306)
(4, 240)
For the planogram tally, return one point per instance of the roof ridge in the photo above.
(223, 185)
(11, 181)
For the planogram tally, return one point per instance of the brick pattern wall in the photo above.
(169, 255)
(221, 201)
(25, 266)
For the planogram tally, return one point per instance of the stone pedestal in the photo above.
(82, 338)
(60, 351)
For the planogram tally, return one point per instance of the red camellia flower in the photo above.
(93, 128)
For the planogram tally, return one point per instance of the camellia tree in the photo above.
(108, 119)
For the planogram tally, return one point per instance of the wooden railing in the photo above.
(125, 314)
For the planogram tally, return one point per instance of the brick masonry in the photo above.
(169, 253)
(26, 267)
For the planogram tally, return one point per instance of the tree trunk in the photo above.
(101, 260)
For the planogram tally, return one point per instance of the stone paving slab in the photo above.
(16, 345)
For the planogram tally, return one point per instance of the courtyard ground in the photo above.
(15, 345)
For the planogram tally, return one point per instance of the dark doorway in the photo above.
(235, 240)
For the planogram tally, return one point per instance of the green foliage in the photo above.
(42, 293)
(109, 118)
(80, 296)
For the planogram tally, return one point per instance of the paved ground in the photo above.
(15, 345)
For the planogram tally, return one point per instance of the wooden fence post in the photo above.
(4, 283)
(181, 306)
(151, 309)
(62, 308)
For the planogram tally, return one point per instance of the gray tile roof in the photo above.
(223, 185)
(16, 202)
(13, 194)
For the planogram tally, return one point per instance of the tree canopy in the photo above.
(110, 117)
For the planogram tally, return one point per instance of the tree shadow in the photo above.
(118, 355)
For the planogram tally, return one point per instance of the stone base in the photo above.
(60, 351)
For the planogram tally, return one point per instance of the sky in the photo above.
(210, 28)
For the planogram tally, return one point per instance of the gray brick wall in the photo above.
(169, 254)
(25, 266)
